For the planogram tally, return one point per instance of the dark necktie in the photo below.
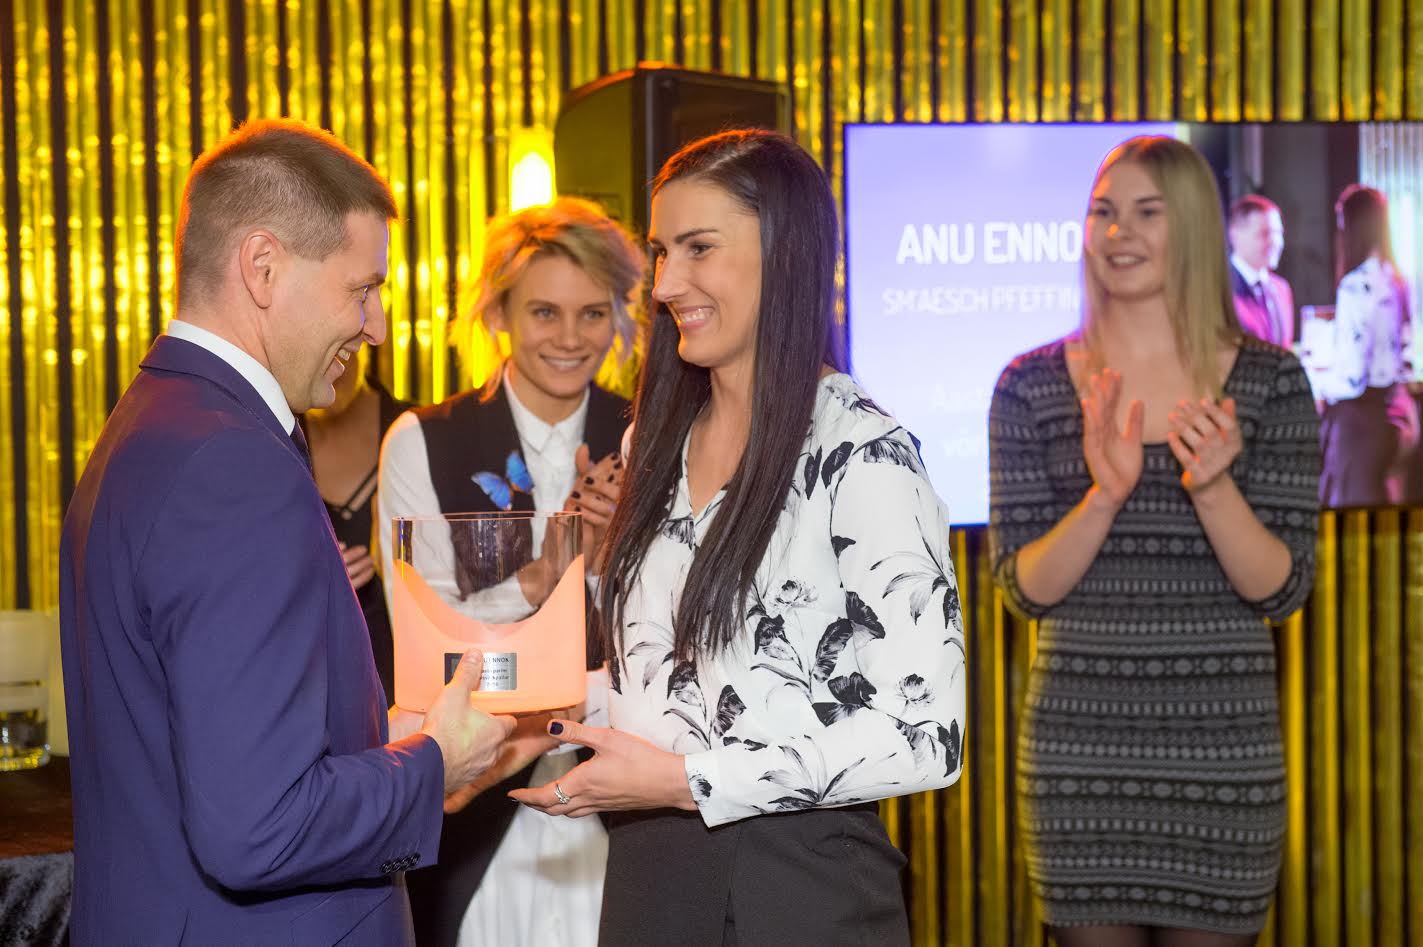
(299, 439)
(1267, 302)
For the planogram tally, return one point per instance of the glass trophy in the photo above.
(509, 584)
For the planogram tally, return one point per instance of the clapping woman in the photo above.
(1153, 501)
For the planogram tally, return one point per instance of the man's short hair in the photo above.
(297, 181)
(1249, 205)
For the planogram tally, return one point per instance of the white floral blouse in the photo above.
(849, 683)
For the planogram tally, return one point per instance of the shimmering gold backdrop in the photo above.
(104, 104)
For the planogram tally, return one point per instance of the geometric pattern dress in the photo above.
(1150, 771)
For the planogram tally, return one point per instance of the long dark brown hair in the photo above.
(772, 177)
(1361, 218)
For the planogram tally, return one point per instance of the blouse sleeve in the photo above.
(1021, 505)
(888, 680)
(1281, 481)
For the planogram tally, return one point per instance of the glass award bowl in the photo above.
(510, 584)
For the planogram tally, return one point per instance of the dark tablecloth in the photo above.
(36, 855)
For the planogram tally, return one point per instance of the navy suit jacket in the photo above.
(1255, 318)
(227, 728)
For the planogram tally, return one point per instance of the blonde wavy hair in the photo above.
(1198, 296)
(575, 229)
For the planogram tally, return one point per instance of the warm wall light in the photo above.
(530, 168)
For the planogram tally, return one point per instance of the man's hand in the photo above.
(529, 741)
(469, 738)
(403, 723)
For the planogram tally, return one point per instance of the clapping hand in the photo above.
(596, 492)
(1113, 454)
(1206, 439)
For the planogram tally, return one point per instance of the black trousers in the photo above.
(824, 877)
(1360, 442)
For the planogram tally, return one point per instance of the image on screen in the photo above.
(964, 249)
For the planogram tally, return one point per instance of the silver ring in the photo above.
(563, 797)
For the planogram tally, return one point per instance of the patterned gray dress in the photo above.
(1150, 770)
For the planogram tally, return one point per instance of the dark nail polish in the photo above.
(611, 478)
(587, 479)
(555, 728)
(575, 494)
(617, 464)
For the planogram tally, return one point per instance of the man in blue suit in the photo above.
(233, 783)
(1263, 298)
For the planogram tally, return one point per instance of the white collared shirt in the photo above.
(245, 365)
(1253, 277)
(548, 451)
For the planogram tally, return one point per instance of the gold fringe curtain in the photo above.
(103, 105)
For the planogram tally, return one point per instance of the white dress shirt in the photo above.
(1253, 277)
(1263, 286)
(545, 882)
(245, 365)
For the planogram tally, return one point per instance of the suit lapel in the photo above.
(169, 354)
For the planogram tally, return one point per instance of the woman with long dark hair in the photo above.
(779, 605)
(1153, 483)
(1369, 421)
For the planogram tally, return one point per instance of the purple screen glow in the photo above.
(964, 247)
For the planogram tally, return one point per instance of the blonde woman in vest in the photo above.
(553, 308)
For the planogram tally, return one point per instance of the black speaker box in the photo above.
(613, 134)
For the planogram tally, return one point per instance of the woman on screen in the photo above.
(1154, 483)
(779, 601)
(556, 283)
(1369, 420)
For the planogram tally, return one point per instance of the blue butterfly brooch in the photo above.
(500, 490)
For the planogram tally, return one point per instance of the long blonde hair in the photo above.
(570, 227)
(1198, 294)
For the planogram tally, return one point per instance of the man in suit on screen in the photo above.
(1263, 298)
(233, 783)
